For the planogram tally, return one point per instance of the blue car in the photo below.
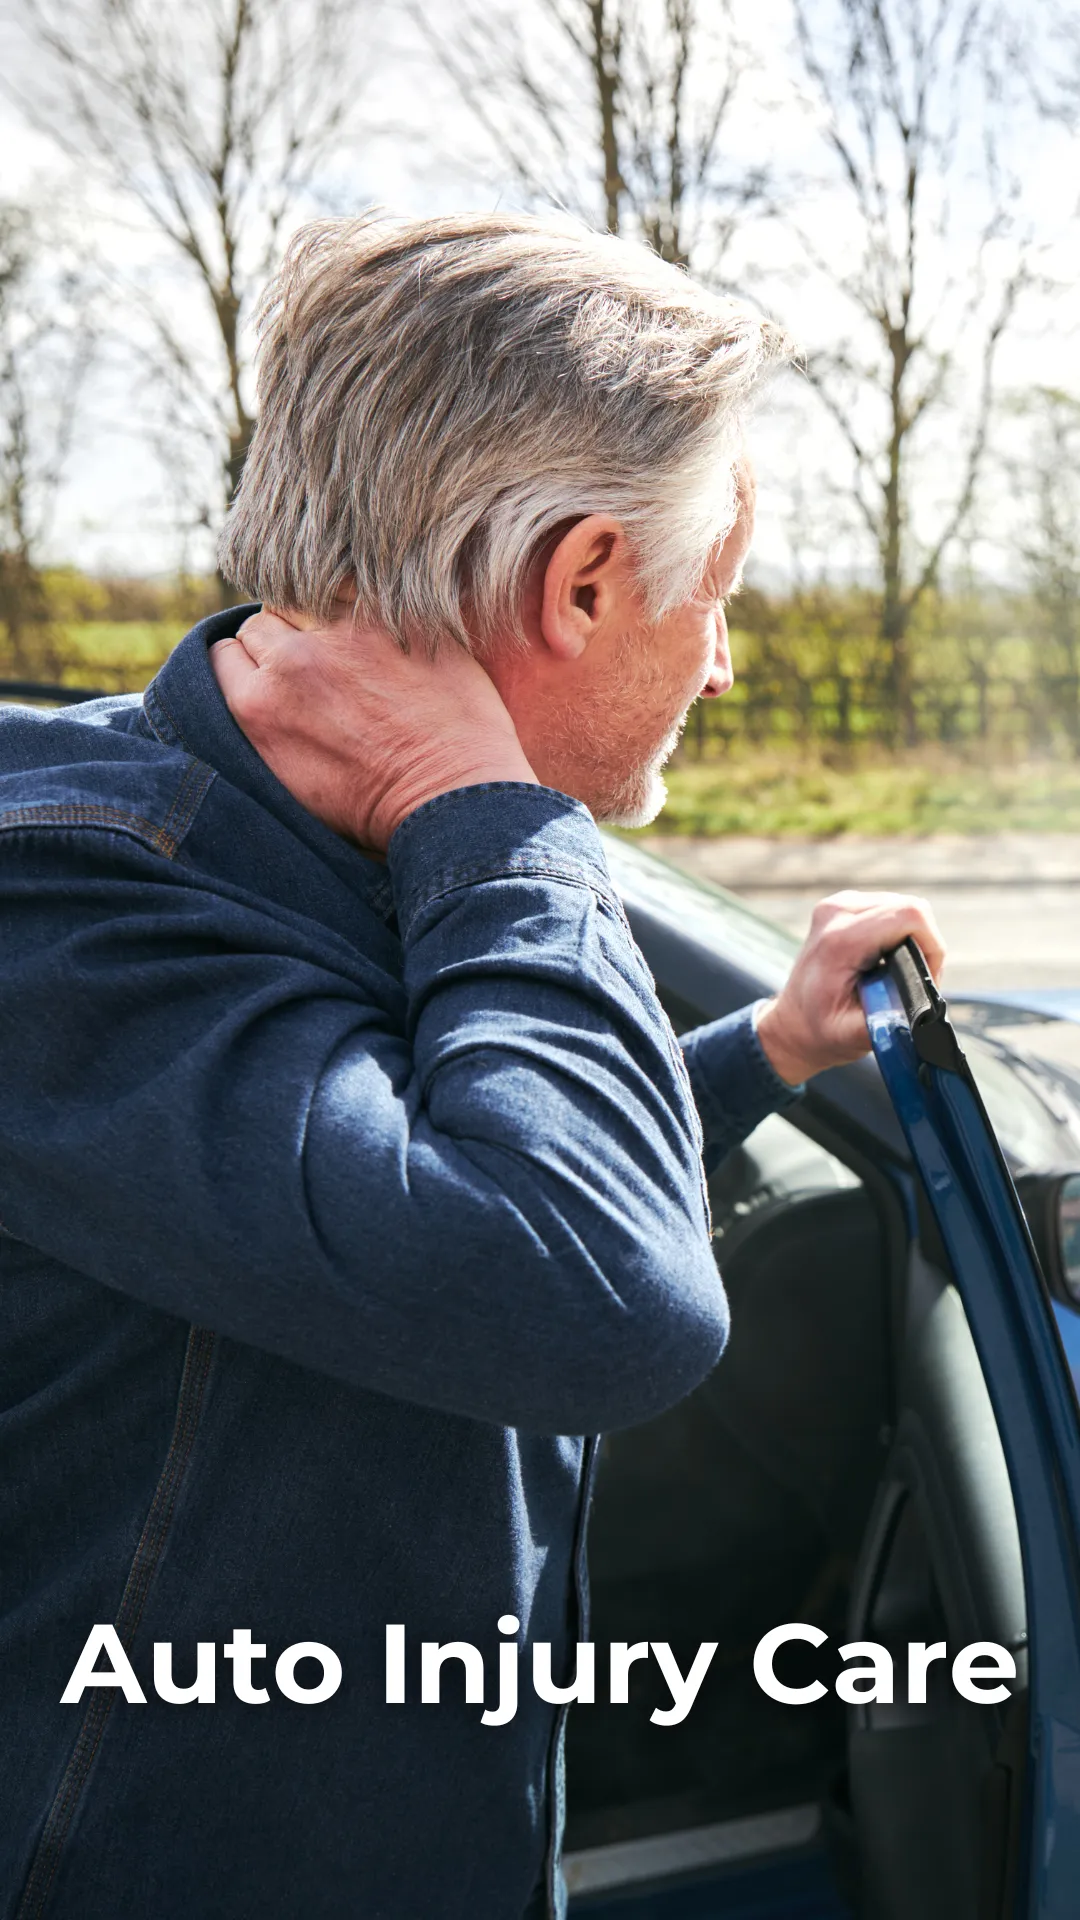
(888, 1452)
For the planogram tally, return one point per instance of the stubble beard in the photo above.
(636, 797)
(615, 771)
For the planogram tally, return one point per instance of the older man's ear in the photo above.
(588, 590)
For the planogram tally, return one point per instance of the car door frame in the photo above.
(878, 1117)
(982, 1228)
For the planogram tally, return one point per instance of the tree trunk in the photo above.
(605, 64)
(895, 610)
(239, 443)
(227, 310)
(30, 639)
(843, 709)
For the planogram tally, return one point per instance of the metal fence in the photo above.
(770, 708)
(48, 690)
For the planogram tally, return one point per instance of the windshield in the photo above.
(1027, 1065)
(702, 912)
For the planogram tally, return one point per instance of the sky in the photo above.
(115, 512)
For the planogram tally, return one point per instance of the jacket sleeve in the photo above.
(735, 1084)
(484, 1194)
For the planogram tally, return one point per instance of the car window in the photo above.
(1029, 1079)
(702, 912)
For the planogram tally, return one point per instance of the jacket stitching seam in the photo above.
(189, 797)
(144, 1564)
(446, 884)
(513, 866)
(158, 712)
(80, 814)
(156, 716)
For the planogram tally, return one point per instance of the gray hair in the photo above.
(438, 397)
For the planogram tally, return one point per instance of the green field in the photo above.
(120, 654)
(913, 793)
(774, 790)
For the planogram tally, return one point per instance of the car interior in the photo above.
(841, 1466)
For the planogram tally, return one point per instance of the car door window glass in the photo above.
(1029, 1086)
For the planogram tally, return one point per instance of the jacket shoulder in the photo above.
(98, 765)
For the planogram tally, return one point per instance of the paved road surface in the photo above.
(1008, 904)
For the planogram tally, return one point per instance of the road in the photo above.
(1008, 904)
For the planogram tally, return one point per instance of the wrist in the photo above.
(786, 1060)
(508, 767)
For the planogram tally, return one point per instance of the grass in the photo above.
(117, 653)
(923, 791)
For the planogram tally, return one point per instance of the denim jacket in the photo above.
(338, 1202)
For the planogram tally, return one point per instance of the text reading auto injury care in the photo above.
(979, 1672)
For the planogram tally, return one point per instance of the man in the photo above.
(351, 1169)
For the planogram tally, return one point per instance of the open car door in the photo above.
(889, 1450)
(934, 1784)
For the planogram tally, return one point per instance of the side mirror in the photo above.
(1051, 1202)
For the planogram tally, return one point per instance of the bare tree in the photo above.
(615, 109)
(216, 121)
(1055, 78)
(924, 254)
(47, 340)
